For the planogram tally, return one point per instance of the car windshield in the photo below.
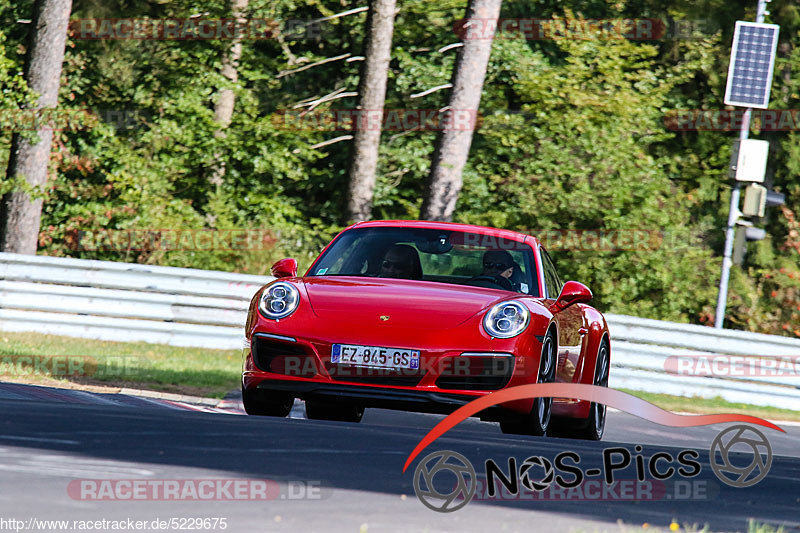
(435, 255)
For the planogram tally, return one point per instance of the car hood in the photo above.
(406, 303)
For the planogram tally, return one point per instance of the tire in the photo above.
(338, 412)
(266, 403)
(593, 426)
(537, 421)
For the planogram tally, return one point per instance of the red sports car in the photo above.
(425, 316)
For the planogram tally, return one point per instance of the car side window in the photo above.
(551, 280)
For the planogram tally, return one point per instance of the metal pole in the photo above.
(733, 217)
(733, 210)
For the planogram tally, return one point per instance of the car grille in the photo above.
(283, 357)
(476, 373)
(374, 376)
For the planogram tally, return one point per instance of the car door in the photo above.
(569, 320)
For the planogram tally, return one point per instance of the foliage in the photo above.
(572, 135)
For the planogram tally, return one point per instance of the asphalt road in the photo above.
(335, 476)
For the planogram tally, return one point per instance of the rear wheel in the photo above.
(538, 420)
(342, 413)
(592, 427)
(266, 403)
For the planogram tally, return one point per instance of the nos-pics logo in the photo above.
(448, 464)
(445, 481)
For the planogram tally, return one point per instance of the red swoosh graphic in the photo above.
(593, 393)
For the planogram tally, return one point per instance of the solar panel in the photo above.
(752, 60)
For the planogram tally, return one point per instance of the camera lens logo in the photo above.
(452, 464)
(525, 473)
(730, 469)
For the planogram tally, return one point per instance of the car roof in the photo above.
(453, 226)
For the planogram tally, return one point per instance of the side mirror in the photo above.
(573, 292)
(285, 268)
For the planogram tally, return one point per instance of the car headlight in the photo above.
(506, 320)
(279, 300)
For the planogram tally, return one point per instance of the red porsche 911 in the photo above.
(425, 316)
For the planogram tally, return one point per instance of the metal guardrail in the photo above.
(186, 307)
(124, 302)
(641, 349)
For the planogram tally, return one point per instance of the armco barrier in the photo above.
(640, 348)
(186, 307)
(124, 302)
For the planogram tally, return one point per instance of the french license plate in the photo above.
(374, 356)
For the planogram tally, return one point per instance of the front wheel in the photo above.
(341, 413)
(538, 420)
(266, 403)
(593, 426)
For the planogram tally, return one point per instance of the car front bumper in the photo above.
(445, 380)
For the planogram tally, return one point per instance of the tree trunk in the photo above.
(371, 97)
(20, 216)
(223, 110)
(452, 145)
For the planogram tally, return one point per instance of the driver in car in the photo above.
(499, 265)
(401, 261)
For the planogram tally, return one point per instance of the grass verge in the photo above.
(70, 362)
(714, 405)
